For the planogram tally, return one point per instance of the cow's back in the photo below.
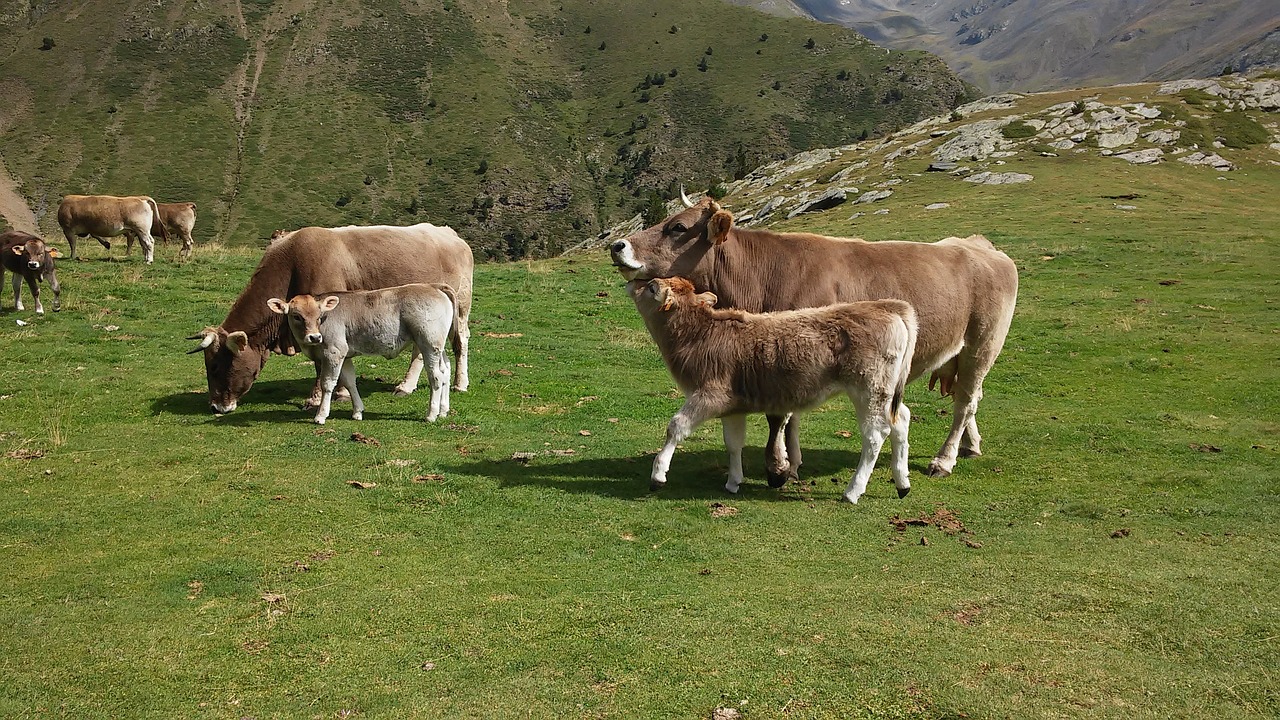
(375, 257)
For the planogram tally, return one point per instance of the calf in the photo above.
(26, 256)
(338, 326)
(730, 363)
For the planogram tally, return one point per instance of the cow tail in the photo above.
(164, 232)
(908, 318)
(454, 340)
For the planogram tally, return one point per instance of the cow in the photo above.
(317, 260)
(963, 291)
(729, 363)
(173, 219)
(26, 256)
(337, 327)
(105, 216)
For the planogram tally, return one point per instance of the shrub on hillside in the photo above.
(1238, 130)
(1017, 129)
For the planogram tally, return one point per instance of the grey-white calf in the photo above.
(730, 363)
(336, 327)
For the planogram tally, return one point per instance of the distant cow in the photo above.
(963, 290)
(26, 256)
(174, 219)
(730, 363)
(337, 327)
(315, 261)
(106, 216)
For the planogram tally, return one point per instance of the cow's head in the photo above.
(35, 252)
(675, 246)
(231, 365)
(663, 295)
(305, 315)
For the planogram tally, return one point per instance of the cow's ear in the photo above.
(278, 306)
(329, 303)
(707, 298)
(719, 225)
(18, 249)
(53, 252)
(237, 341)
(666, 299)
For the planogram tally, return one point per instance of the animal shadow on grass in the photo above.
(694, 475)
(261, 403)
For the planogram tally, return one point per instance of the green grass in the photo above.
(164, 562)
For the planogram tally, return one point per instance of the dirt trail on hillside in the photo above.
(13, 206)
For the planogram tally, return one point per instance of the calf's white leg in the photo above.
(33, 282)
(691, 415)
(439, 384)
(330, 368)
(735, 437)
(17, 291)
(348, 378)
(410, 382)
(873, 421)
(898, 440)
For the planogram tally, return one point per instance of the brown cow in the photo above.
(318, 260)
(26, 256)
(104, 216)
(729, 363)
(176, 219)
(963, 290)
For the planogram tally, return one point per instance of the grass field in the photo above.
(1113, 555)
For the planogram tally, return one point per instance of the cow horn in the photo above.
(685, 198)
(206, 342)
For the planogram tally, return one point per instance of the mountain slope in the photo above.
(1046, 44)
(526, 125)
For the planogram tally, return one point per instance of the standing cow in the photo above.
(105, 216)
(729, 363)
(173, 219)
(26, 256)
(315, 261)
(963, 290)
(333, 329)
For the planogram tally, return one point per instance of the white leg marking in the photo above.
(735, 437)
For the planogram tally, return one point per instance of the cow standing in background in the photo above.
(173, 219)
(963, 290)
(729, 363)
(26, 256)
(105, 216)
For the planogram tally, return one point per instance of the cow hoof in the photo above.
(400, 393)
(969, 453)
(357, 416)
(852, 497)
(937, 471)
(320, 421)
(902, 492)
(655, 486)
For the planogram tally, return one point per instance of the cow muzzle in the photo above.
(313, 339)
(624, 257)
(34, 265)
(222, 409)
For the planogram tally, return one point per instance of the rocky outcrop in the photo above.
(1005, 178)
(1213, 160)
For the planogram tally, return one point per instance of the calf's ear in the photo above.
(18, 249)
(719, 225)
(707, 298)
(666, 299)
(329, 303)
(237, 341)
(53, 252)
(278, 306)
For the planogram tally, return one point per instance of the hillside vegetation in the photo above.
(526, 125)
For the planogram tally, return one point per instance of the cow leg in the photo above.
(330, 369)
(971, 441)
(187, 244)
(966, 407)
(347, 376)
(690, 416)
(52, 277)
(439, 384)
(71, 243)
(103, 242)
(148, 246)
(128, 244)
(735, 437)
(410, 382)
(17, 292)
(898, 439)
(776, 467)
(33, 282)
(873, 421)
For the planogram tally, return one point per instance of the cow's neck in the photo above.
(250, 314)
(734, 274)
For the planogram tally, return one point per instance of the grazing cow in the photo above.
(730, 363)
(318, 260)
(104, 216)
(26, 256)
(174, 219)
(963, 290)
(333, 329)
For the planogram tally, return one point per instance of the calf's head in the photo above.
(231, 365)
(35, 251)
(678, 245)
(664, 295)
(305, 315)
